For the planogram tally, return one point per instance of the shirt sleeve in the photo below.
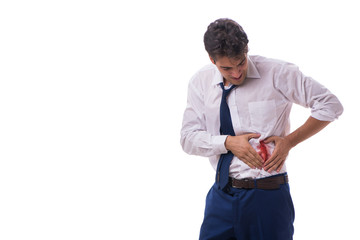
(307, 92)
(195, 138)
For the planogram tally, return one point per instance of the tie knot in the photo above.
(226, 91)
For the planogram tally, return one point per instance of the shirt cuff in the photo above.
(218, 143)
(323, 116)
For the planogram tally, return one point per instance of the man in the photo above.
(237, 114)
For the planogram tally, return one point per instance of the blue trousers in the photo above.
(248, 214)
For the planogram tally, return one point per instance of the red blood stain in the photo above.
(262, 151)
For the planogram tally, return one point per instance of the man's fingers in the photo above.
(255, 159)
(247, 160)
(273, 156)
(250, 160)
(269, 164)
(271, 159)
(276, 166)
(253, 135)
(256, 155)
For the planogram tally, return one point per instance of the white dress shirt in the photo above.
(261, 104)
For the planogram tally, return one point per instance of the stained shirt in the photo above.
(261, 104)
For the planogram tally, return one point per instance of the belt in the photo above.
(268, 183)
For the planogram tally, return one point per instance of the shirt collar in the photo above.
(218, 78)
(252, 72)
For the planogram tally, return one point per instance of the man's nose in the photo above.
(236, 73)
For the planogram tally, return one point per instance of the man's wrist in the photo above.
(227, 142)
(290, 140)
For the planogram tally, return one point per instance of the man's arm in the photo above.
(284, 144)
(305, 91)
(195, 138)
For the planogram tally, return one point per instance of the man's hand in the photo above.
(284, 144)
(241, 148)
(278, 157)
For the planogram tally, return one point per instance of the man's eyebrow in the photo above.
(238, 64)
(242, 60)
(224, 67)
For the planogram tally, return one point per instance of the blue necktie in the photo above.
(226, 128)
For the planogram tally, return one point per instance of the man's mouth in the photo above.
(237, 79)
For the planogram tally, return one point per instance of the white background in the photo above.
(91, 101)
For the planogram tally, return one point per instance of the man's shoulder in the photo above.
(270, 64)
(261, 60)
(208, 69)
(206, 74)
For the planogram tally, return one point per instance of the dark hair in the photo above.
(225, 37)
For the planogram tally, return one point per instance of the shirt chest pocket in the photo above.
(262, 115)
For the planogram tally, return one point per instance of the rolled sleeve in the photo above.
(329, 111)
(307, 92)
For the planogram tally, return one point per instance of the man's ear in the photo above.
(212, 60)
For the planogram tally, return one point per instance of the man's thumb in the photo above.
(253, 135)
(269, 140)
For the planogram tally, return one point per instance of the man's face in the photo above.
(232, 69)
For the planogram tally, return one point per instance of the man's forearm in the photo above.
(284, 144)
(308, 129)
